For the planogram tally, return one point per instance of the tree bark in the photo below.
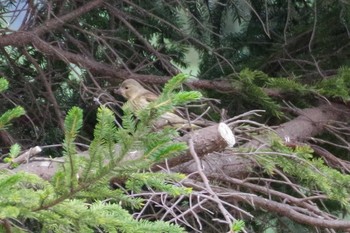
(209, 142)
(310, 122)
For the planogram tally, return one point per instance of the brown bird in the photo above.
(139, 98)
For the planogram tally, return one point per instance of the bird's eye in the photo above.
(126, 87)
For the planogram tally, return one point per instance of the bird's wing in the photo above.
(141, 100)
(149, 96)
(175, 121)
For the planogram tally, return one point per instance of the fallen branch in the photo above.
(214, 138)
(275, 207)
(206, 140)
(24, 157)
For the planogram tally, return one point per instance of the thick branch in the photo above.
(21, 38)
(214, 138)
(207, 140)
(289, 212)
(97, 68)
(310, 122)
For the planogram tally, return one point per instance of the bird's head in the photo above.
(130, 88)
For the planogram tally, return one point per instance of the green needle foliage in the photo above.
(338, 86)
(238, 226)
(73, 201)
(5, 119)
(251, 84)
(312, 172)
(168, 99)
(4, 84)
(10, 114)
(15, 150)
(254, 87)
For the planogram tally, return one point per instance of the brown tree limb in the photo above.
(289, 212)
(24, 38)
(205, 140)
(332, 160)
(270, 205)
(216, 140)
(23, 158)
(21, 38)
(310, 122)
(231, 163)
(288, 199)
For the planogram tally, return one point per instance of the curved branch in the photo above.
(312, 121)
(21, 38)
(274, 207)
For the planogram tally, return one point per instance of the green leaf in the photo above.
(15, 150)
(9, 212)
(238, 226)
(186, 96)
(11, 114)
(4, 84)
(73, 123)
(174, 83)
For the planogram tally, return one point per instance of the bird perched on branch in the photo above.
(139, 98)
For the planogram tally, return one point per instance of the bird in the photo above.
(136, 95)
(139, 98)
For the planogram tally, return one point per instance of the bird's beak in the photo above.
(118, 91)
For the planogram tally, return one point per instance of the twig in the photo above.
(228, 217)
(23, 157)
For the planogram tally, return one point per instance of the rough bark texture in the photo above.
(208, 142)
(310, 122)
(205, 140)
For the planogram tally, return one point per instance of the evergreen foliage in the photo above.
(337, 86)
(4, 84)
(5, 119)
(15, 150)
(251, 84)
(238, 226)
(272, 37)
(10, 114)
(73, 201)
(166, 101)
(300, 163)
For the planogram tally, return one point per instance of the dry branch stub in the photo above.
(215, 138)
(211, 139)
(24, 157)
